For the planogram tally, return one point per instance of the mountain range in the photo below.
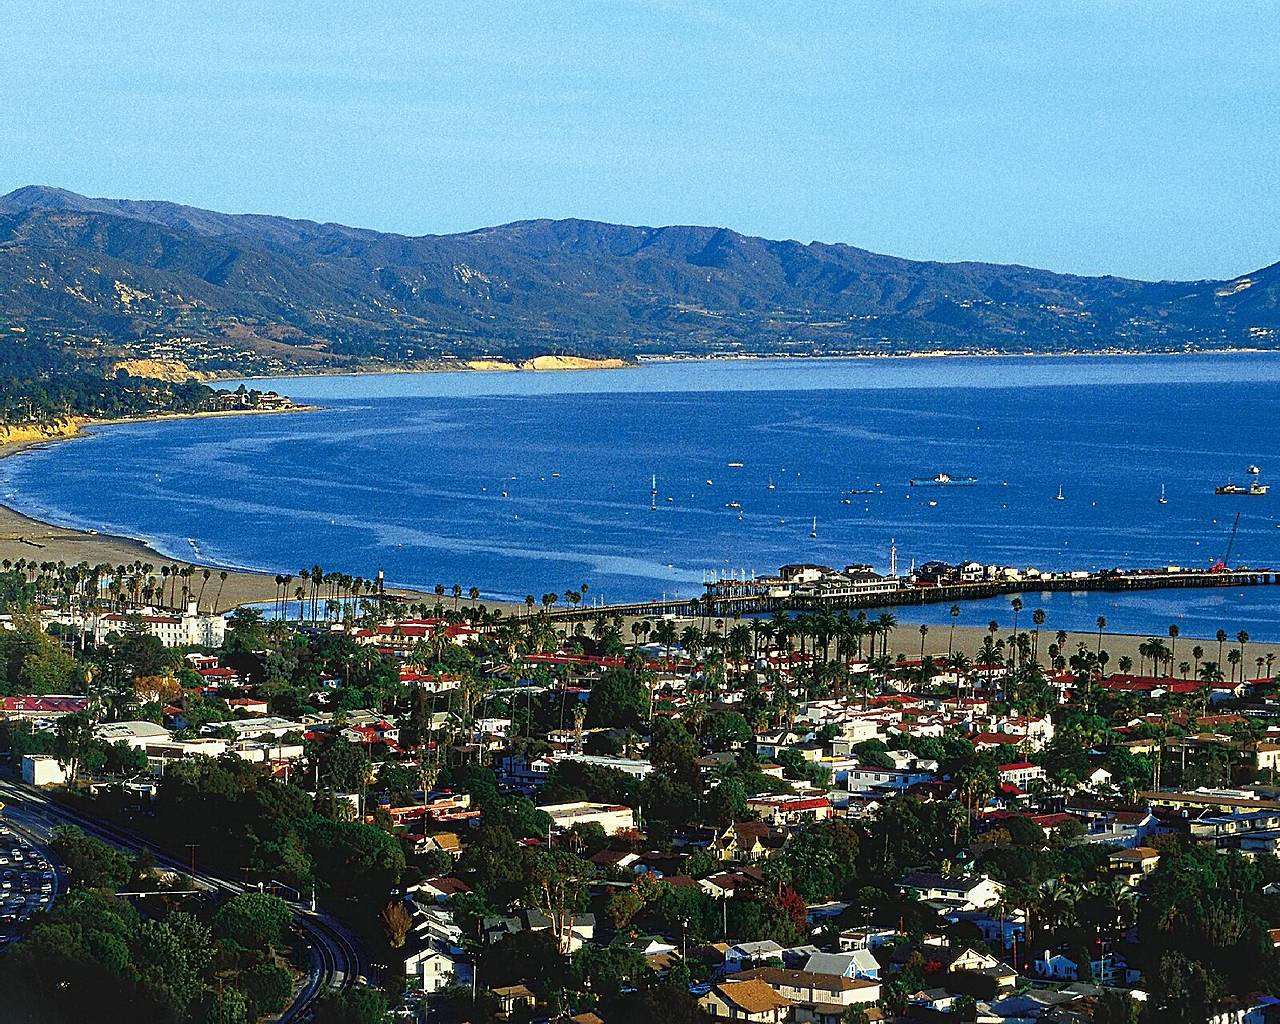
(251, 292)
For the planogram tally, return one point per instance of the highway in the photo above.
(334, 956)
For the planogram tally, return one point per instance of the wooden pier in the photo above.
(742, 597)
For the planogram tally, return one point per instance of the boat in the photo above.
(733, 504)
(845, 501)
(710, 483)
(1254, 490)
(1253, 470)
(814, 531)
(735, 465)
(771, 484)
(944, 480)
(864, 490)
(1163, 499)
(1060, 496)
(933, 504)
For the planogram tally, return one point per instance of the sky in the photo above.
(1126, 137)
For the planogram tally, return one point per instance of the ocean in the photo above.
(522, 483)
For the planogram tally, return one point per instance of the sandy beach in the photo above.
(906, 639)
(22, 537)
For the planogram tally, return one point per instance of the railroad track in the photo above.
(335, 958)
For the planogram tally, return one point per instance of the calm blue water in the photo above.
(405, 472)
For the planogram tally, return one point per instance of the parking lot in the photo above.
(27, 882)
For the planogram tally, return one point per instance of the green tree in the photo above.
(267, 988)
(619, 699)
(358, 1005)
(253, 921)
(90, 863)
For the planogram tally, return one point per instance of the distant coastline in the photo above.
(575, 364)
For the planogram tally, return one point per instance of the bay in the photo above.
(406, 472)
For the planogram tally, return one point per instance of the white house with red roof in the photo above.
(1021, 773)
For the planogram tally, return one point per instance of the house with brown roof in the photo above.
(747, 842)
(746, 1001)
(514, 997)
(1132, 865)
(814, 989)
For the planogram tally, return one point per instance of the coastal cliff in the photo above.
(29, 433)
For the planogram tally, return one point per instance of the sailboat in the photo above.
(771, 486)
(1060, 496)
(814, 531)
(1163, 499)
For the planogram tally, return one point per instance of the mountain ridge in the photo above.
(258, 292)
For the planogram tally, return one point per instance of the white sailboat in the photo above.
(1163, 499)
(1060, 496)
(814, 531)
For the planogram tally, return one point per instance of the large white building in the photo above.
(188, 628)
(613, 818)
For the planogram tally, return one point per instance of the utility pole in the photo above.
(193, 847)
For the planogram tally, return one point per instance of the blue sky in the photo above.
(1127, 137)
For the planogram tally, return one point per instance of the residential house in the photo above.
(1134, 864)
(747, 842)
(436, 967)
(744, 955)
(726, 884)
(856, 963)
(512, 998)
(804, 987)
(952, 892)
(752, 1001)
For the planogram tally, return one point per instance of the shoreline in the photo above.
(635, 360)
(23, 536)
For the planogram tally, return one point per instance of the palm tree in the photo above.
(1243, 638)
(1058, 903)
(955, 614)
(1197, 652)
(887, 623)
(1037, 617)
(1234, 658)
(1222, 639)
(1102, 624)
(1016, 605)
(924, 631)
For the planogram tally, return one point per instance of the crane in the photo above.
(1231, 544)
